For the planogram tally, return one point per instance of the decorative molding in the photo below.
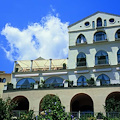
(27, 75)
(54, 73)
(102, 70)
(82, 71)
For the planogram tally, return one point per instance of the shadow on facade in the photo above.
(23, 103)
(81, 103)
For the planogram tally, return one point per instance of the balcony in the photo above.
(71, 85)
(81, 64)
(102, 62)
(39, 65)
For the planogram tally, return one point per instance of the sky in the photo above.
(33, 28)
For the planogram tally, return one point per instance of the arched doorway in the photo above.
(112, 104)
(82, 103)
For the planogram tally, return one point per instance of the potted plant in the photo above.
(64, 65)
(66, 83)
(36, 84)
(9, 86)
(42, 84)
(70, 84)
(31, 85)
(91, 81)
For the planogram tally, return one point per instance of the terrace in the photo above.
(39, 65)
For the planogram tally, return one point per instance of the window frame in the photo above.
(101, 60)
(81, 60)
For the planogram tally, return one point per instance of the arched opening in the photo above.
(100, 36)
(117, 34)
(81, 81)
(99, 22)
(112, 104)
(81, 59)
(48, 100)
(104, 79)
(118, 56)
(81, 39)
(82, 103)
(54, 82)
(25, 83)
(22, 105)
(101, 57)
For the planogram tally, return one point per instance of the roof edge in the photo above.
(90, 16)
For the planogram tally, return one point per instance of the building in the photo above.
(92, 69)
(4, 78)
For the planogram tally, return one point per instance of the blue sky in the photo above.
(33, 28)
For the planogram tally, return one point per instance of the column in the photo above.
(50, 64)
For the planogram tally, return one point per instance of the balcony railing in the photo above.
(82, 63)
(102, 61)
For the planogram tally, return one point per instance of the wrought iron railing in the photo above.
(102, 61)
(82, 63)
(77, 115)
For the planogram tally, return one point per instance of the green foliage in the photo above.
(53, 110)
(6, 108)
(112, 105)
(91, 81)
(26, 115)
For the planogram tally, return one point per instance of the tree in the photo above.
(52, 109)
(112, 105)
(6, 107)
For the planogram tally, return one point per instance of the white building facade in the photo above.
(94, 55)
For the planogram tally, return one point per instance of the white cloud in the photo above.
(48, 39)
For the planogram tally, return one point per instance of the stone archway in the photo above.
(81, 102)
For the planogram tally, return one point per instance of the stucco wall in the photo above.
(98, 95)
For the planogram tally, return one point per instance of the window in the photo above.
(81, 81)
(25, 83)
(81, 39)
(117, 35)
(111, 20)
(93, 24)
(104, 79)
(81, 59)
(105, 23)
(118, 56)
(99, 22)
(3, 80)
(87, 23)
(101, 57)
(100, 36)
(54, 82)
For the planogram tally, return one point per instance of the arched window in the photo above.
(118, 56)
(81, 59)
(81, 39)
(101, 57)
(100, 36)
(99, 22)
(104, 79)
(117, 34)
(81, 81)
(25, 83)
(4, 80)
(54, 82)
